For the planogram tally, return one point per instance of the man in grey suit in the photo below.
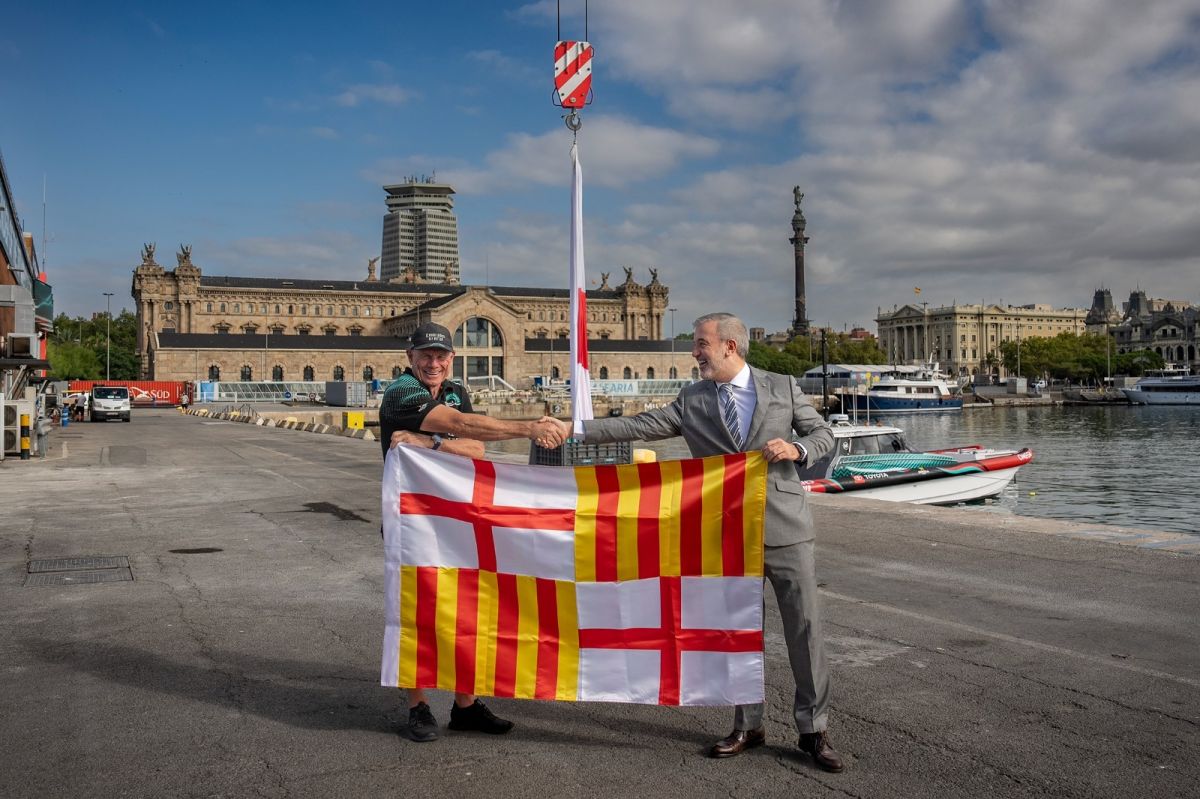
(738, 409)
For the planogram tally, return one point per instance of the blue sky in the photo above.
(1010, 151)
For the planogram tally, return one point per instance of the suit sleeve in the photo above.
(814, 432)
(652, 425)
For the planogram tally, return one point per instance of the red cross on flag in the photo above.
(631, 583)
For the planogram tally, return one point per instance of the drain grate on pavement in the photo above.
(79, 571)
(78, 564)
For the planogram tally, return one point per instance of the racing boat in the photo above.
(876, 461)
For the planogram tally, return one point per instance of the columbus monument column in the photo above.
(798, 240)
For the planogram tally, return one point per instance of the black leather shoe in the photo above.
(737, 742)
(817, 744)
(476, 717)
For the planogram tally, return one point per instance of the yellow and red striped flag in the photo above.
(631, 583)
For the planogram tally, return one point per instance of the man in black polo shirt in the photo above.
(424, 408)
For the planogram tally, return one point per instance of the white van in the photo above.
(110, 402)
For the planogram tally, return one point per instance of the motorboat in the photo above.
(876, 461)
(926, 391)
(1170, 386)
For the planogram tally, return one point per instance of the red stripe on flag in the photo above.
(496, 515)
(606, 523)
(465, 631)
(581, 344)
(427, 659)
(691, 547)
(547, 656)
(649, 488)
(485, 494)
(733, 495)
(670, 596)
(506, 635)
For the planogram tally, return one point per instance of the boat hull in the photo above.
(1139, 397)
(939, 485)
(900, 405)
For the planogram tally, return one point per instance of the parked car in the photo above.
(110, 402)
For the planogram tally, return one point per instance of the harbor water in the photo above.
(1123, 465)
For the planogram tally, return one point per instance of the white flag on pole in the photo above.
(581, 382)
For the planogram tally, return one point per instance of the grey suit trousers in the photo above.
(790, 570)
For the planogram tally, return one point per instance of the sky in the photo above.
(1007, 151)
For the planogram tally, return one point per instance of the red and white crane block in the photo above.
(573, 73)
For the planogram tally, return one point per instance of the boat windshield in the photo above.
(884, 442)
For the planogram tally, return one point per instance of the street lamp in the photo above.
(671, 368)
(108, 337)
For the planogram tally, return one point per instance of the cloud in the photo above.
(324, 133)
(498, 63)
(385, 93)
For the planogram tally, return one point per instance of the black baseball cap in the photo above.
(431, 336)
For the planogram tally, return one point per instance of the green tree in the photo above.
(94, 334)
(72, 361)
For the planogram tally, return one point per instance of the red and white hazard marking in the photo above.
(573, 73)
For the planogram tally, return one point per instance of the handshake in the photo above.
(549, 432)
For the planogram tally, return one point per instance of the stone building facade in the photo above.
(965, 339)
(193, 326)
(1169, 327)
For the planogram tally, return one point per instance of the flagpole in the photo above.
(581, 383)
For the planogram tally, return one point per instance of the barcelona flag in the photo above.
(630, 583)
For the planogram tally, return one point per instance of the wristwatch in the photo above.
(437, 441)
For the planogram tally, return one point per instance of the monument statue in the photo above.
(604, 281)
(653, 275)
(797, 196)
(184, 256)
(371, 267)
(148, 253)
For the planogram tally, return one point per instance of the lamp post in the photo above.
(108, 336)
(671, 368)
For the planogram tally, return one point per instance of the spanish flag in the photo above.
(630, 583)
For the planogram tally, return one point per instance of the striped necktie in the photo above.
(730, 415)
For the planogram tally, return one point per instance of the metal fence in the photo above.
(259, 392)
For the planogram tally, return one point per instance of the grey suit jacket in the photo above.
(781, 410)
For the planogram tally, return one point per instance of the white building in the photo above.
(420, 232)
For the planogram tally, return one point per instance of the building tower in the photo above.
(798, 240)
(420, 232)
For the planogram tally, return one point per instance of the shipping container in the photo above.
(346, 395)
(142, 393)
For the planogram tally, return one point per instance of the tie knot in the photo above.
(726, 389)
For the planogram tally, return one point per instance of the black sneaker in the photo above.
(422, 726)
(478, 718)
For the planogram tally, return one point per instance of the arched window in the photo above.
(316, 310)
(366, 311)
(247, 373)
(277, 373)
(329, 310)
(304, 310)
(237, 307)
(479, 349)
(291, 310)
(541, 316)
(339, 373)
(695, 373)
(368, 373)
(554, 373)
(214, 371)
(263, 308)
(628, 373)
(277, 308)
(168, 305)
(396, 372)
(208, 307)
(674, 373)
(222, 307)
(603, 372)
(308, 374)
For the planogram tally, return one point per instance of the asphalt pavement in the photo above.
(974, 654)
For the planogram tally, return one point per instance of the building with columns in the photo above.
(193, 326)
(965, 339)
